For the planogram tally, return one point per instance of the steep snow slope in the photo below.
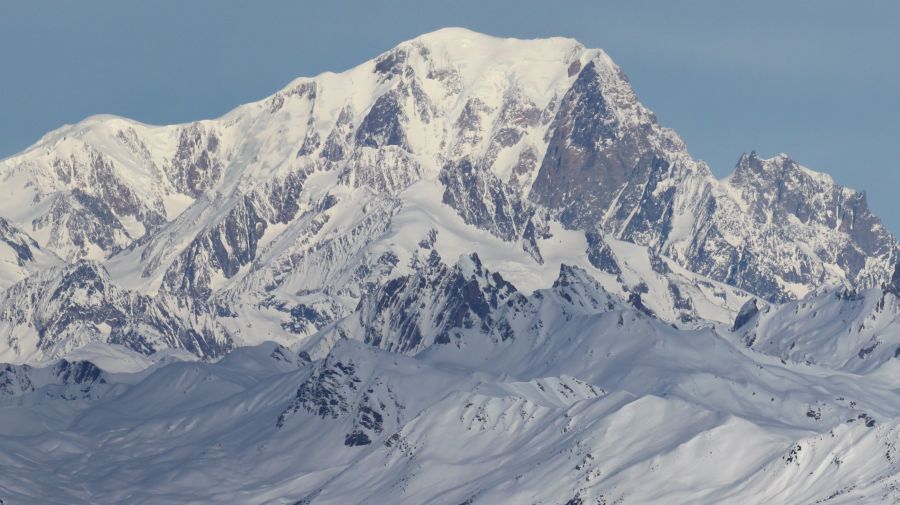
(20, 255)
(840, 329)
(88, 190)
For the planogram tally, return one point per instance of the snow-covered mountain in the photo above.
(469, 256)
(20, 255)
(529, 153)
(854, 331)
(59, 310)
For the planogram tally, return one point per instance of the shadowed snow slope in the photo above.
(599, 404)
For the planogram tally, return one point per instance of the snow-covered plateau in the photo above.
(470, 271)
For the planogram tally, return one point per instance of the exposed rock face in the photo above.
(58, 310)
(383, 125)
(15, 380)
(78, 372)
(225, 248)
(77, 194)
(327, 392)
(600, 255)
(197, 165)
(748, 312)
(82, 221)
(600, 154)
(794, 210)
(342, 391)
(894, 285)
(67, 380)
(22, 245)
(431, 305)
(20, 255)
(484, 201)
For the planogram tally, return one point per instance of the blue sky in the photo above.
(817, 79)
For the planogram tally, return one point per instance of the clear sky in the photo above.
(817, 79)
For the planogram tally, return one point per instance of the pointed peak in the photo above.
(744, 159)
(748, 311)
(570, 274)
(578, 290)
